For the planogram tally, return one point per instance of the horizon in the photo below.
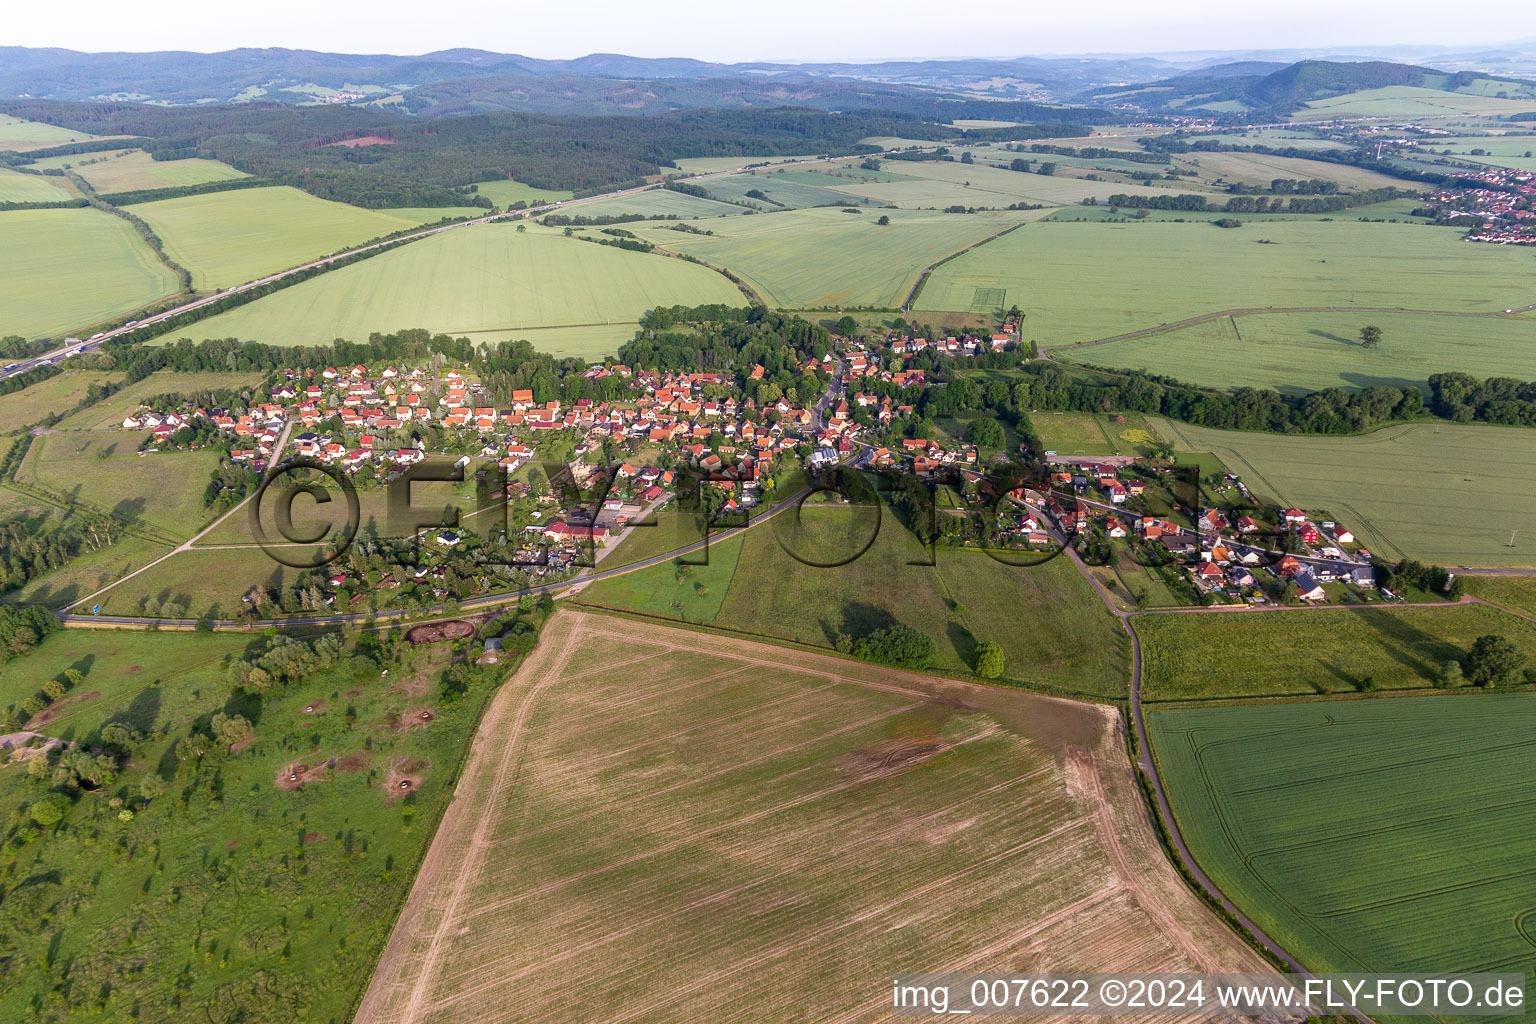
(806, 32)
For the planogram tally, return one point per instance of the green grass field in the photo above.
(109, 413)
(18, 134)
(488, 282)
(272, 903)
(657, 202)
(1054, 630)
(1517, 151)
(135, 169)
(1165, 272)
(782, 192)
(939, 184)
(1406, 101)
(64, 270)
(1517, 593)
(163, 491)
(826, 258)
(87, 574)
(1300, 352)
(227, 238)
(506, 192)
(53, 395)
(16, 187)
(1261, 169)
(1294, 653)
(1072, 433)
(1379, 836)
(1443, 493)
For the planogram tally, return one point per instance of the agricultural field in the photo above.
(287, 889)
(716, 164)
(506, 192)
(1165, 272)
(657, 202)
(1054, 630)
(489, 283)
(728, 796)
(17, 134)
(937, 184)
(1073, 433)
(109, 413)
(54, 395)
(1312, 651)
(228, 238)
(1517, 151)
(64, 270)
(16, 187)
(827, 258)
(163, 492)
(1517, 593)
(1301, 352)
(1443, 493)
(1261, 169)
(135, 169)
(1406, 101)
(782, 193)
(1272, 800)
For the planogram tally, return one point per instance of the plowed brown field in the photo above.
(657, 825)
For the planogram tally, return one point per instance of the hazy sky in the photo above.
(783, 29)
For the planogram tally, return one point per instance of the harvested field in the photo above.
(659, 825)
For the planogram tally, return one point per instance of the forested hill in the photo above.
(1266, 90)
(407, 161)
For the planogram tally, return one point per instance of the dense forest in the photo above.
(423, 163)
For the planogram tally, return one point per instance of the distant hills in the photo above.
(1275, 90)
(471, 79)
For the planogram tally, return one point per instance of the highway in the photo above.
(96, 339)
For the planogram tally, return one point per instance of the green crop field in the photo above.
(940, 184)
(709, 808)
(487, 282)
(1072, 433)
(1261, 169)
(1410, 101)
(228, 238)
(1517, 151)
(1517, 593)
(827, 258)
(163, 491)
(18, 134)
(1374, 836)
(1053, 628)
(64, 270)
(1309, 651)
(136, 169)
(16, 187)
(1165, 272)
(1300, 352)
(1442, 493)
(782, 193)
(109, 413)
(53, 395)
(506, 192)
(657, 202)
(272, 897)
(431, 214)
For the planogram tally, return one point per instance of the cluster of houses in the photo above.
(1504, 210)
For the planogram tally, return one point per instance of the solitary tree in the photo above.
(847, 325)
(1494, 661)
(883, 221)
(989, 659)
(1370, 336)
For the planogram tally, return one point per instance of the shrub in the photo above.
(989, 659)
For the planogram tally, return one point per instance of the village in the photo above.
(565, 481)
